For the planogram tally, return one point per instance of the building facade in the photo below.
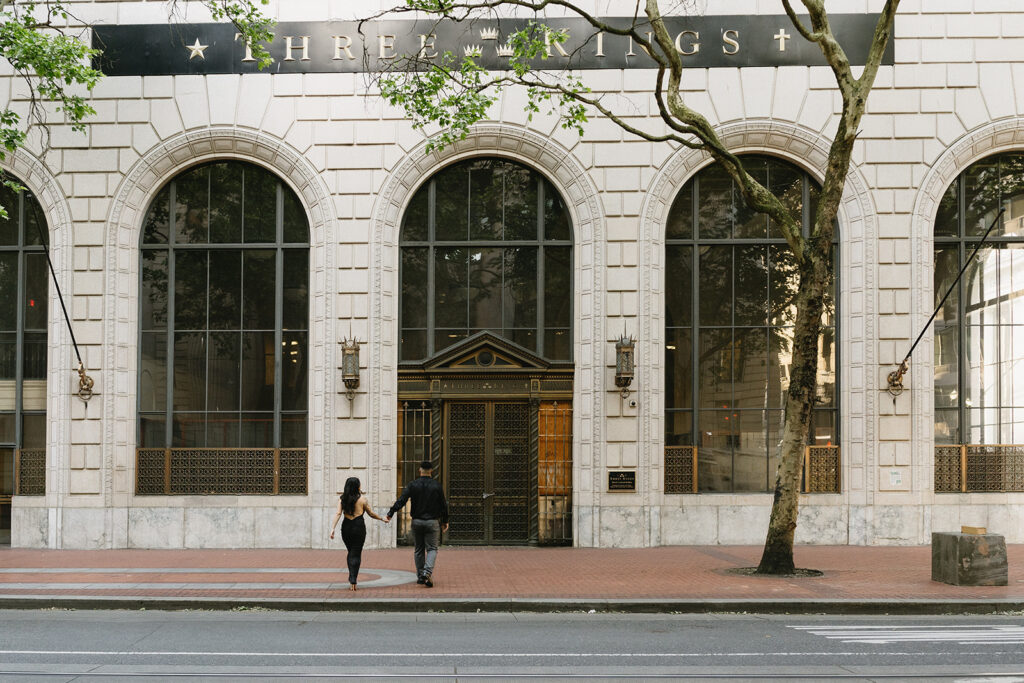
(276, 284)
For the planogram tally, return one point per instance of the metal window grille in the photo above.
(30, 472)
(414, 446)
(554, 473)
(220, 471)
(680, 469)
(970, 468)
(822, 468)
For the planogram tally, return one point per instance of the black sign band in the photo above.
(338, 46)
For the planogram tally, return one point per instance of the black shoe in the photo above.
(427, 582)
(421, 580)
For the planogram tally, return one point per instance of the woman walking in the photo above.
(353, 530)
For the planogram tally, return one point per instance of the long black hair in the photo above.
(350, 495)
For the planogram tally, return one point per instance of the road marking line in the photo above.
(353, 655)
(881, 635)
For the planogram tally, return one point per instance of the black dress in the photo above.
(353, 534)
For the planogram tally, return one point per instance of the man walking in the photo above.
(429, 519)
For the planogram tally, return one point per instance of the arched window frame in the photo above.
(425, 200)
(291, 238)
(820, 433)
(955, 235)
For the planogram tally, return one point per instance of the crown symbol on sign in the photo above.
(472, 50)
(488, 34)
(505, 50)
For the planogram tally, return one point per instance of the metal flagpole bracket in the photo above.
(85, 384)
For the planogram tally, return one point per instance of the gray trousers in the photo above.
(426, 533)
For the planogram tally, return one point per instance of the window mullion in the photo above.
(278, 317)
(19, 346)
(541, 291)
(171, 253)
(431, 294)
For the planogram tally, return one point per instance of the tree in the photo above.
(455, 92)
(52, 62)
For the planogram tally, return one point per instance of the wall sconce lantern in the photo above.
(624, 364)
(350, 366)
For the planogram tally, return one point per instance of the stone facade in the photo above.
(955, 95)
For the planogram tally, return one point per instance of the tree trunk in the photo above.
(777, 557)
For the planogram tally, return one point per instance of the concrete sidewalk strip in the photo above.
(868, 580)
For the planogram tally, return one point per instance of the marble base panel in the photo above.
(823, 525)
(30, 527)
(85, 528)
(897, 525)
(1005, 520)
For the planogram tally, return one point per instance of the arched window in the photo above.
(486, 244)
(729, 285)
(24, 293)
(979, 331)
(223, 324)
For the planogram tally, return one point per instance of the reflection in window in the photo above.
(486, 245)
(979, 331)
(729, 286)
(224, 312)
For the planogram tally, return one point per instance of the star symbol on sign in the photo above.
(197, 50)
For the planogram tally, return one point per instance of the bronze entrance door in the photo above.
(487, 471)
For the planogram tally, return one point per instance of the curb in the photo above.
(535, 605)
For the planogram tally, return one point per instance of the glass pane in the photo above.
(37, 280)
(8, 367)
(557, 287)
(153, 315)
(445, 338)
(983, 426)
(525, 338)
(981, 194)
(190, 371)
(294, 371)
(414, 222)
(33, 430)
(749, 223)
(947, 220)
(678, 286)
(556, 215)
(157, 225)
(946, 366)
(750, 459)
(257, 430)
(33, 394)
(222, 430)
(776, 420)
(451, 213)
(982, 389)
(225, 290)
(1011, 188)
(981, 287)
(293, 431)
(413, 345)
(715, 276)
(188, 430)
(780, 359)
(558, 344)
(258, 286)
(6, 485)
(751, 285)
(680, 216)
(190, 291)
(226, 202)
(296, 224)
(225, 357)
(826, 383)
(450, 287)
(6, 419)
(1012, 425)
(715, 205)
(716, 360)
(257, 371)
(260, 188)
(1011, 284)
(153, 371)
(678, 369)
(296, 289)
(520, 288)
(414, 287)
(783, 281)
(714, 453)
(679, 428)
(9, 225)
(787, 183)
(486, 200)
(947, 267)
(35, 220)
(823, 428)
(152, 432)
(520, 203)
(191, 209)
(34, 349)
(8, 291)
(485, 288)
(750, 367)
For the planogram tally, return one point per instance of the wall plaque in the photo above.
(345, 47)
(622, 480)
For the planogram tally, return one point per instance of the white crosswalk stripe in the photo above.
(964, 634)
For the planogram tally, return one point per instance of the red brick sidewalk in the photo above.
(678, 573)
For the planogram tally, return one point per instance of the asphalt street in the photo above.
(62, 645)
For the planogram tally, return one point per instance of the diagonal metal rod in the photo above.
(895, 378)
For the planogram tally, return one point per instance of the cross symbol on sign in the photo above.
(782, 37)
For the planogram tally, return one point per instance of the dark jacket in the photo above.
(427, 500)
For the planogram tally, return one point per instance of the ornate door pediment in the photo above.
(482, 352)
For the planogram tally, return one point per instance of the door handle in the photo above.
(487, 495)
